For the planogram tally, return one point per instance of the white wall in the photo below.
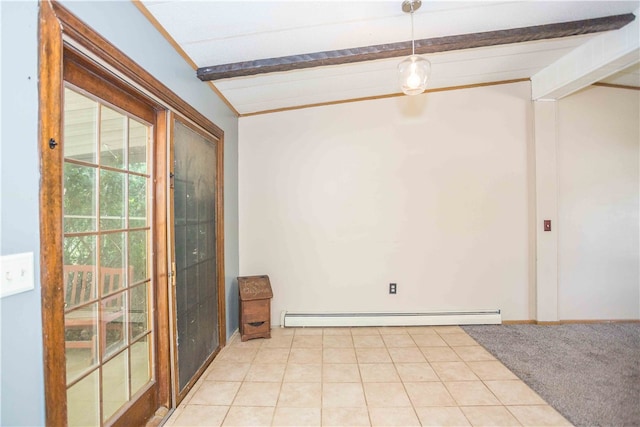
(430, 192)
(21, 373)
(599, 197)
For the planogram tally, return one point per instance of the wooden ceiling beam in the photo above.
(424, 46)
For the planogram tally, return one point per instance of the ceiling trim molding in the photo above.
(424, 46)
(152, 19)
(616, 86)
(370, 98)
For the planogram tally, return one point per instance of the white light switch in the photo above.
(16, 273)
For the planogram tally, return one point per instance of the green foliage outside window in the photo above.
(81, 217)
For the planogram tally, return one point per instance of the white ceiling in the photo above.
(222, 32)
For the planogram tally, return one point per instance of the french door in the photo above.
(104, 302)
(108, 281)
(105, 232)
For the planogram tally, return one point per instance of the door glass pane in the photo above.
(138, 263)
(194, 225)
(81, 339)
(79, 257)
(80, 127)
(83, 401)
(112, 199)
(80, 205)
(140, 367)
(138, 137)
(112, 319)
(112, 137)
(115, 384)
(137, 201)
(113, 257)
(138, 312)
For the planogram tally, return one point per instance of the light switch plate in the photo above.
(16, 273)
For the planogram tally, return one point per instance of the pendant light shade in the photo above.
(414, 71)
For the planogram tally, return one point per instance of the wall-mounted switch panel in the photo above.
(16, 273)
(547, 225)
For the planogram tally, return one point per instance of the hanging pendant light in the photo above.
(414, 71)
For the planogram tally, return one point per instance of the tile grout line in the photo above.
(388, 346)
(239, 387)
(404, 387)
(286, 365)
(459, 406)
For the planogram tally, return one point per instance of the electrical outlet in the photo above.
(393, 288)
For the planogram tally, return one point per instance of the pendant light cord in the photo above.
(413, 40)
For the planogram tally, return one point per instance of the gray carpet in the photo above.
(590, 373)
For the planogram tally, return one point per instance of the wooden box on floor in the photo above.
(255, 307)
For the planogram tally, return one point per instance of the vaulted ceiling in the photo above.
(467, 42)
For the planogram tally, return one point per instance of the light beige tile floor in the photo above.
(429, 376)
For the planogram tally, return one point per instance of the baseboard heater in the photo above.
(435, 318)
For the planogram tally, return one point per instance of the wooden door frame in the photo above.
(56, 26)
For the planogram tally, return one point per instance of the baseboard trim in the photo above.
(567, 322)
(234, 336)
(600, 321)
(379, 319)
